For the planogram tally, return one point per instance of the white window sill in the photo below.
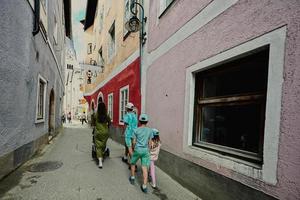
(200, 153)
(38, 121)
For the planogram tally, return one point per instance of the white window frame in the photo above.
(38, 119)
(110, 106)
(90, 48)
(268, 171)
(163, 6)
(120, 102)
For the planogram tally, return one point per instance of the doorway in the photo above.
(51, 118)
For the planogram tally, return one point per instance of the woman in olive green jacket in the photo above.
(101, 131)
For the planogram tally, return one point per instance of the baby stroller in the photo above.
(94, 154)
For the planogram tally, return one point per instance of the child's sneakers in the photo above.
(144, 188)
(124, 159)
(153, 186)
(100, 163)
(131, 180)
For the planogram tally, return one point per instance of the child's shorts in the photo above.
(142, 154)
(128, 141)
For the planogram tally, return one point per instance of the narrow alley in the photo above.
(66, 170)
(205, 91)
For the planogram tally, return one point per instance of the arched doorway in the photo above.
(100, 98)
(51, 117)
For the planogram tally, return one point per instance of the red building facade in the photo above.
(128, 78)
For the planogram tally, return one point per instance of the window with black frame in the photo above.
(90, 48)
(230, 104)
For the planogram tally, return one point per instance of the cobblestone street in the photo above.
(69, 172)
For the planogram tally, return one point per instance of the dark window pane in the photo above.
(232, 126)
(242, 76)
(230, 106)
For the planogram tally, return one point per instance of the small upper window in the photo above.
(112, 42)
(164, 4)
(69, 66)
(90, 48)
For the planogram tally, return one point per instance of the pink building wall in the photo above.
(163, 29)
(242, 22)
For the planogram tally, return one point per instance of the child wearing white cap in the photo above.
(130, 122)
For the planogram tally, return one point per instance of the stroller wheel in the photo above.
(107, 152)
(94, 155)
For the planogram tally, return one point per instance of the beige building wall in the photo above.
(88, 38)
(125, 44)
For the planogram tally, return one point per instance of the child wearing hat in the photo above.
(141, 140)
(130, 122)
(154, 151)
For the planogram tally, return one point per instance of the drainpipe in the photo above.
(36, 27)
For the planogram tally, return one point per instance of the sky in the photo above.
(78, 13)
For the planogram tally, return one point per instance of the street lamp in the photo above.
(134, 25)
